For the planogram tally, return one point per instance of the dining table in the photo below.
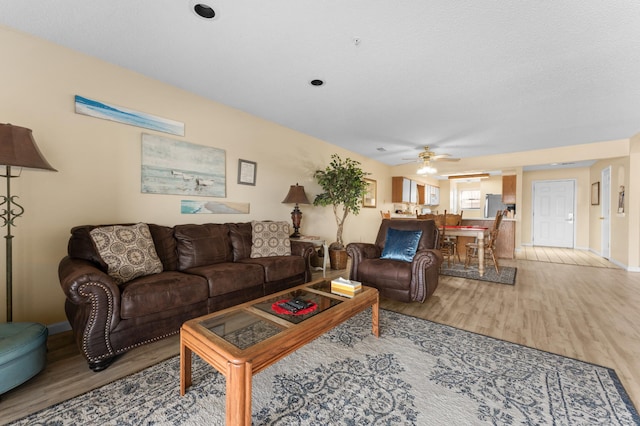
(478, 232)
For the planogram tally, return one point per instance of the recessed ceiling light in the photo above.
(316, 82)
(204, 11)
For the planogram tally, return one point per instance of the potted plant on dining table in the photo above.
(343, 185)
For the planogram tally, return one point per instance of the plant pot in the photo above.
(338, 259)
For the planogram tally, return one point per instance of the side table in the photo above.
(318, 242)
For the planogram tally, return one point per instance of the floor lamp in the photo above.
(17, 149)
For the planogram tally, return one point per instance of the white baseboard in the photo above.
(615, 262)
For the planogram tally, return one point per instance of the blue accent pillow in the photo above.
(401, 245)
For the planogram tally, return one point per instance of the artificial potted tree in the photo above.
(343, 186)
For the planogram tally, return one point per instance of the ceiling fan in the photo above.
(426, 157)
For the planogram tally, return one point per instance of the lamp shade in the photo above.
(296, 195)
(18, 148)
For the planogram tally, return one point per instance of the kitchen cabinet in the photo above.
(434, 195)
(509, 189)
(405, 190)
(413, 192)
(400, 189)
(421, 198)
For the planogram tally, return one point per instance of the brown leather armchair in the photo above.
(395, 279)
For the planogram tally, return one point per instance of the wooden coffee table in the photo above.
(243, 340)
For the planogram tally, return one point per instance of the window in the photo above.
(469, 199)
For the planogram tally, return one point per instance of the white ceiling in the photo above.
(468, 78)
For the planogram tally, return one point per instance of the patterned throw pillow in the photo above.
(270, 239)
(128, 251)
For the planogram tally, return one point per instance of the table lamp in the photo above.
(17, 149)
(296, 195)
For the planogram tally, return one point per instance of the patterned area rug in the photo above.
(507, 274)
(417, 373)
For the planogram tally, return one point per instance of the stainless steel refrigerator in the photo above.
(493, 203)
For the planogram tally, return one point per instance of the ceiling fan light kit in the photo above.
(426, 169)
(426, 157)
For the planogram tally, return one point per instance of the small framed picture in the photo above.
(369, 197)
(247, 172)
(595, 193)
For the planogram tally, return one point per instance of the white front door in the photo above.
(553, 210)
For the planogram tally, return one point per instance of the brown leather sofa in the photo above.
(205, 268)
(395, 279)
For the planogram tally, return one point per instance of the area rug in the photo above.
(507, 274)
(417, 373)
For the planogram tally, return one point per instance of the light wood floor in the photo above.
(588, 313)
(564, 255)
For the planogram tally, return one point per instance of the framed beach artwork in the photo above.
(97, 109)
(183, 168)
(213, 207)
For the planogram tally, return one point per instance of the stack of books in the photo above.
(344, 287)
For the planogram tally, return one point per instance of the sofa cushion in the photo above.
(165, 246)
(128, 251)
(240, 235)
(161, 292)
(277, 268)
(223, 278)
(401, 244)
(270, 239)
(200, 245)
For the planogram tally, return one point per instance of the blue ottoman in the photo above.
(23, 352)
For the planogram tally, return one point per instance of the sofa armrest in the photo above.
(425, 270)
(93, 306)
(359, 251)
(304, 249)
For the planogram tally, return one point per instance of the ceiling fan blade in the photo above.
(446, 159)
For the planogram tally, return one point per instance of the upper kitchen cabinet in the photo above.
(434, 195)
(400, 189)
(413, 192)
(509, 189)
(421, 199)
(404, 190)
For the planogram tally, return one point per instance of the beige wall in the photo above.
(98, 162)
(99, 165)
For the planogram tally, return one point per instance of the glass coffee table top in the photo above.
(245, 327)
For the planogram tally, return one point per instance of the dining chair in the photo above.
(448, 246)
(489, 245)
(385, 215)
(426, 216)
(453, 220)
